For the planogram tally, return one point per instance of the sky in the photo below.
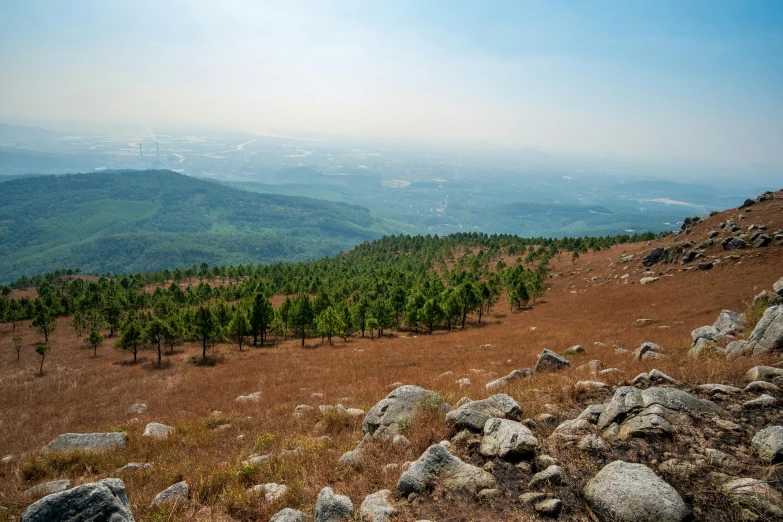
(685, 80)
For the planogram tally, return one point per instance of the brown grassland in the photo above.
(81, 393)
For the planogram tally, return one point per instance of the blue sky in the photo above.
(662, 79)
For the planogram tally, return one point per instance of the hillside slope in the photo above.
(151, 220)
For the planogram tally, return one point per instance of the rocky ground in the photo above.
(675, 427)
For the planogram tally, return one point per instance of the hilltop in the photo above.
(284, 415)
(137, 221)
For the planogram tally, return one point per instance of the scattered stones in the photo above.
(438, 465)
(174, 494)
(47, 488)
(511, 377)
(761, 386)
(377, 507)
(289, 515)
(398, 408)
(157, 431)
(549, 361)
(102, 500)
(252, 397)
(332, 508)
(626, 492)
(507, 439)
(768, 443)
(86, 442)
(475, 414)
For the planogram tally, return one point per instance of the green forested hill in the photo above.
(134, 221)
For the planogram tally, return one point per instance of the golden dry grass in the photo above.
(79, 393)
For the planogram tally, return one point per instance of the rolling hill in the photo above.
(128, 221)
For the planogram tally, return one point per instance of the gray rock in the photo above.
(718, 389)
(628, 401)
(650, 421)
(511, 377)
(507, 439)
(401, 440)
(352, 459)
(549, 361)
(475, 414)
(86, 442)
(289, 515)
(157, 430)
(733, 243)
(763, 373)
(549, 508)
(654, 377)
(761, 386)
(591, 443)
(768, 443)
(625, 492)
(332, 508)
(553, 475)
(647, 351)
(47, 488)
(762, 401)
(102, 501)
(729, 323)
(271, 491)
(377, 507)
(588, 386)
(399, 408)
(767, 298)
(251, 397)
(438, 465)
(532, 497)
(756, 495)
(778, 286)
(704, 332)
(303, 408)
(137, 408)
(767, 336)
(135, 466)
(738, 349)
(174, 494)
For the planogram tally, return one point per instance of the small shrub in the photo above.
(264, 441)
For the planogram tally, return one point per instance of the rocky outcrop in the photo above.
(626, 492)
(767, 336)
(398, 408)
(549, 361)
(475, 414)
(330, 507)
(97, 502)
(86, 442)
(507, 439)
(438, 465)
(768, 443)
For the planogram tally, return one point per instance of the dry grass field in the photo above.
(588, 302)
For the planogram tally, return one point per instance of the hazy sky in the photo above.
(662, 79)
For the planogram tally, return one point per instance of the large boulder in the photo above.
(398, 408)
(767, 336)
(729, 323)
(475, 414)
(507, 439)
(289, 515)
(769, 444)
(377, 507)
(549, 361)
(101, 501)
(86, 442)
(625, 492)
(438, 465)
(332, 508)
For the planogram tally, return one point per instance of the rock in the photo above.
(462, 402)
(593, 366)
(654, 377)
(654, 256)
(157, 431)
(352, 459)
(377, 507)
(767, 299)
(648, 280)
(552, 475)
(289, 515)
(86, 442)
(271, 491)
(475, 414)
(761, 402)
(174, 494)
(574, 350)
(718, 389)
(355, 412)
(704, 332)
(761, 386)
(532, 497)
(438, 465)
(137, 408)
(47, 488)
(625, 492)
(303, 408)
(647, 351)
(778, 286)
(768, 443)
(252, 397)
(511, 377)
(401, 440)
(549, 508)
(399, 408)
(717, 457)
(488, 495)
(100, 501)
(761, 240)
(464, 382)
(767, 336)
(588, 386)
(256, 459)
(609, 371)
(756, 495)
(705, 265)
(549, 361)
(332, 508)
(507, 439)
(591, 443)
(733, 243)
(729, 323)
